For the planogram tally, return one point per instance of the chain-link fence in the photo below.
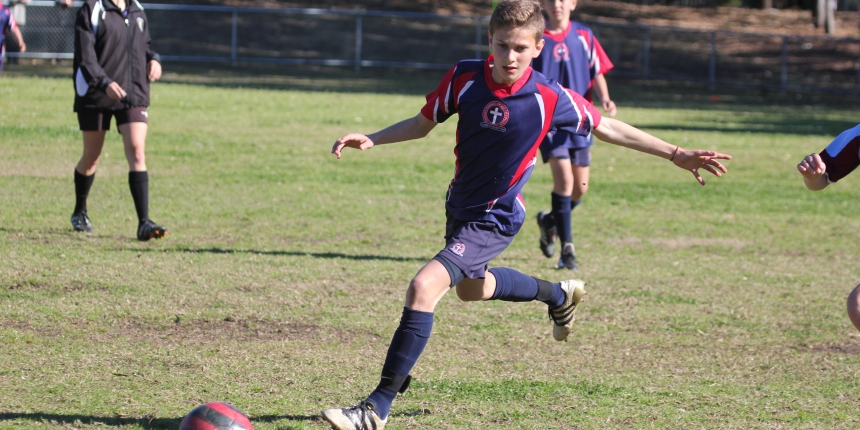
(359, 39)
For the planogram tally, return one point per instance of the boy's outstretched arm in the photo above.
(813, 168)
(408, 129)
(620, 133)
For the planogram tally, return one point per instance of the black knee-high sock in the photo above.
(138, 182)
(82, 190)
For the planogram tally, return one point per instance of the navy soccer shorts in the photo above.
(471, 245)
(97, 120)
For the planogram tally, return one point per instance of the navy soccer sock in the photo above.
(138, 182)
(408, 343)
(513, 286)
(561, 214)
(82, 190)
(575, 203)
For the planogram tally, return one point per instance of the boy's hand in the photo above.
(352, 140)
(696, 159)
(609, 108)
(154, 70)
(114, 91)
(812, 166)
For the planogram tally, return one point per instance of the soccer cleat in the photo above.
(359, 417)
(81, 222)
(568, 257)
(149, 230)
(547, 235)
(562, 317)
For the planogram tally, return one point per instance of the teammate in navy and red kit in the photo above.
(505, 110)
(7, 23)
(572, 56)
(839, 159)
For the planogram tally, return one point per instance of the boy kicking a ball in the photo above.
(839, 159)
(505, 109)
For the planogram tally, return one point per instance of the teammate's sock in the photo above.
(408, 343)
(138, 182)
(574, 204)
(514, 286)
(561, 214)
(82, 190)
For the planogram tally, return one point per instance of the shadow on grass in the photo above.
(359, 257)
(153, 423)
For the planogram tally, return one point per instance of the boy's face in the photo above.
(513, 51)
(558, 10)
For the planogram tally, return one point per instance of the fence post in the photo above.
(646, 48)
(712, 63)
(358, 30)
(234, 41)
(783, 73)
(478, 28)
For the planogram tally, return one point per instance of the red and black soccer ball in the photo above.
(215, 416)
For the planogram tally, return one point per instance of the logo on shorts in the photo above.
(140, 24)
(560, 52)
(495, 116)
(458, 248)
(145, 114)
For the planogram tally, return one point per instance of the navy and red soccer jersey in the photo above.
(498, 133)
(574, 58)
(7, 22)
(842, 156)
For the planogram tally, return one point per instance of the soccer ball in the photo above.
(215, 416)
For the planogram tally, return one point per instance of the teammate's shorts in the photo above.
(97, 120)
(578, 156)
(471, 245)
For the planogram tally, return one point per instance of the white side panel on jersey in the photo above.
(94, 17)
(81, 85)
(448, 92)
(842, 140)
(542, 109)
(575, 107)
(463, 91)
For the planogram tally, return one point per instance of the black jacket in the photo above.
(111, 48)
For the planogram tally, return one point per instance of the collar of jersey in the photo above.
(558, 37)
(504, 90)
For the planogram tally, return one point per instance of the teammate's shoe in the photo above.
(562, 317)
(81, 222)
(150, 230)
(547, 235)
(568, 257)
(359, 417)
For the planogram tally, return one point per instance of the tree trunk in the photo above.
(766, 4)
(819, 15)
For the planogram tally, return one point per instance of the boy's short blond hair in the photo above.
(525, 14)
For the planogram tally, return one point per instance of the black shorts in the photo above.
(97, 120)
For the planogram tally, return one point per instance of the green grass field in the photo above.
(282, 278)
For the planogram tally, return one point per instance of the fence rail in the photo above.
(357, 39)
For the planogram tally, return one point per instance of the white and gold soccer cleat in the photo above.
(563, 316)
(359, 417)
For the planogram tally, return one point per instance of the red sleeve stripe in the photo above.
(547, 100)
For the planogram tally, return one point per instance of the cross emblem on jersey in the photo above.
(495, 115)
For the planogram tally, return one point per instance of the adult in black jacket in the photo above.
(112, 70)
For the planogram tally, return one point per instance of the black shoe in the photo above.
(568, 257)
(547, 235)
(81, 222)
(149, 230)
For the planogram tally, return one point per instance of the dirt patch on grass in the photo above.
(848, 347)
(198, 332)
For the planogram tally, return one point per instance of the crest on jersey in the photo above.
(560, 52)
(458, 248)
(495, 116)
(140, 24)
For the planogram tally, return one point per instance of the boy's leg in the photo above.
(424, 292)
(94, 126)
(133, 126)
